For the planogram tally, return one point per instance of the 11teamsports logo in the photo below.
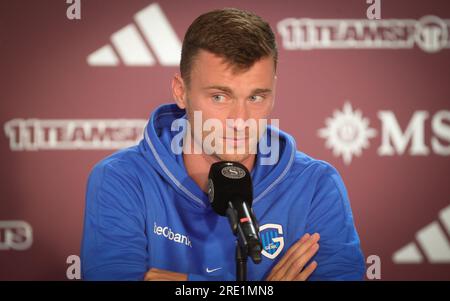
(430, 33)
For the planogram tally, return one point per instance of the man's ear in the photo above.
(179, 91)
(274, 91)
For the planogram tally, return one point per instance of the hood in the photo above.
(156, 146)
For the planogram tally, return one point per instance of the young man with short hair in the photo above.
(147, 211)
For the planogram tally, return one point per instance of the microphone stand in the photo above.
(242, 246)
(241, 263)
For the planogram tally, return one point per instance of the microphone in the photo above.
(230, 193)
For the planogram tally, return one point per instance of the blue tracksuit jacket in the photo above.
(143, 211)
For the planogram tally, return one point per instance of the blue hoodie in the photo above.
(144, 211)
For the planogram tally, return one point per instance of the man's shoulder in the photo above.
(127, 161)
(321, 176)
(304, 163)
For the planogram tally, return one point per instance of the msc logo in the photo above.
(348, 132)
(272, 240)
(131, 47)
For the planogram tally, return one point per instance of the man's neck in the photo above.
(198, 165)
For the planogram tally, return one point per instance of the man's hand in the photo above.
(163, 275)
(291, 266)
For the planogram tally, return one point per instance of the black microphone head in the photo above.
(229, 181)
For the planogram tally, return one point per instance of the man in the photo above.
(147, 212)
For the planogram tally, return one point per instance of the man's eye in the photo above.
(256, 98)
(218, 98)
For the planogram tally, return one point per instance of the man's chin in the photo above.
(234, 157)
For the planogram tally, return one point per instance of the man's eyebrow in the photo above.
(222, 88)
(261, 91)
(229, 91)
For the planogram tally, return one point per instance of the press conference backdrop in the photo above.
(372, 97)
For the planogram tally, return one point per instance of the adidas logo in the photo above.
(432, 240)
(128, 44)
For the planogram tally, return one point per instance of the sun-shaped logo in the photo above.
(347, 133)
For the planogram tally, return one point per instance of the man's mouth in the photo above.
(235, 140)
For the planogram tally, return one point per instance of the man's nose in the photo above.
(239, 114)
